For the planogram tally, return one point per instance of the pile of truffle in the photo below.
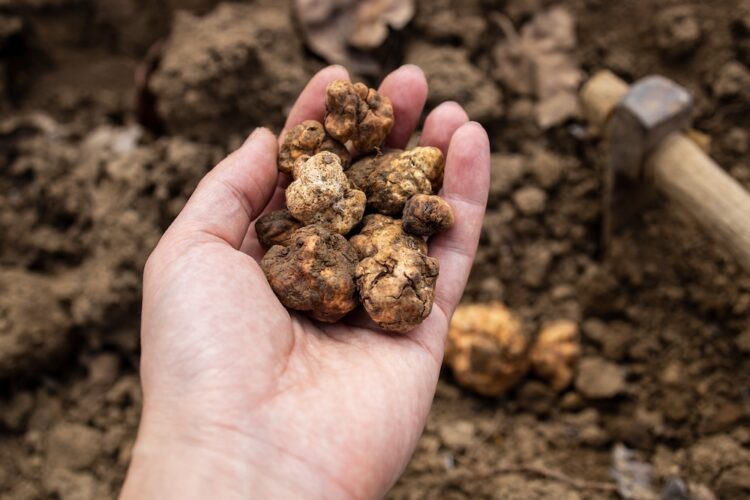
(325, 255)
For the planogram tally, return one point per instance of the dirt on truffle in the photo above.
(87, 190)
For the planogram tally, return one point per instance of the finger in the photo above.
(407, 89)
(233, 193)
(251, 245)
(466, 185)
(311, 103)
(441, 124)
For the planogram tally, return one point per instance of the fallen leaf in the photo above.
(347, 31)
(540, 62)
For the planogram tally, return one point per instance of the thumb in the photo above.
(233, 194)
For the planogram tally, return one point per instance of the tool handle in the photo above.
(689, 178)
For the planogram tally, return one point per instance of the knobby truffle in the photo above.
(358, 114)
(487, 348)
(322, 194)
(391, 179)
(308, 139)
(555, 353)
(396, 279)
(314, 273)
(425, 215)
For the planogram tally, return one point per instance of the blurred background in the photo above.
(112, 110)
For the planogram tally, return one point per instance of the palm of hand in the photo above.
(339, 406)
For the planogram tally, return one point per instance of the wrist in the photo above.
(186, 457)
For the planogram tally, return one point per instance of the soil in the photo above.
(96, 163)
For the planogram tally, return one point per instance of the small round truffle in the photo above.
(486, 348)
(276, 228)
(314, 273)
(396, 279)
(359, 114)
(555, 353)
(321, 193)
(308, 139)
(425, 215)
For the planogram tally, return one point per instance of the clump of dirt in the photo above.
(236, 67)
(658, 401)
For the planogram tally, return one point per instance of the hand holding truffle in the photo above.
(238, 387)
(311, 267)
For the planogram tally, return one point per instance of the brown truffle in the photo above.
(361, 170)
(314, 273)
(555, 353)
(358, 114)
(486, 348)
(322, 194)
(389, 180)
(276, 228)
(396, 279)
(425, 215)
(308, 139)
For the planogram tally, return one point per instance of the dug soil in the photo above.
(111, 111)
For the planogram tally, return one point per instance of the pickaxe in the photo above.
(643, 126)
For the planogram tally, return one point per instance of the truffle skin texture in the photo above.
(391, 179)
(276, 228)
(380, 232)
(321, 193)
(314, 273)
(486, 348)
(425, 215)
(308, 139)
(556, 352)
(361, 170)
(396, 279)
(357, 113)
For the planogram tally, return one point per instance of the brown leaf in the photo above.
(344, 31)
(541, 62)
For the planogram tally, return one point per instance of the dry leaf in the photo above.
(344, 31)
(540, 62)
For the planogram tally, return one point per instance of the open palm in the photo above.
(248, 399)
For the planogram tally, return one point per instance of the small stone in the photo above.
(599, 379)
(530, 200)
(506, 171)
(732, 81)
(736, 141)
(458, 435)
(73, 445)
(546, 167)
(678, 32)
(535, 265)
(104, 369)
(614, 338)
(571, 401)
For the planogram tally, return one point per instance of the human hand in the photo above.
(244, 398)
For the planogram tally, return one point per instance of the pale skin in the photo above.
(245, 399)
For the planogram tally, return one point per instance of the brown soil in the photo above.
(87, 192)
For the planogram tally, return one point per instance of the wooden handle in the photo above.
(681, 171)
